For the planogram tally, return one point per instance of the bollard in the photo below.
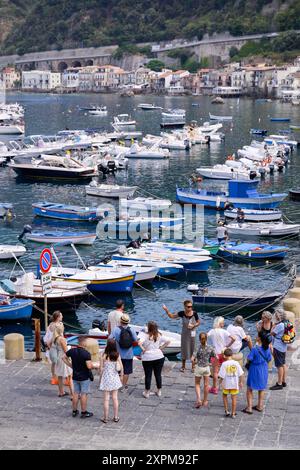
(239, 357)
(295, 292)
(292, 304)
(93, 348)
(14, 347)
(37, 339)
(297, 282)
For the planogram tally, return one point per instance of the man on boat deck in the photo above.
(228, 206)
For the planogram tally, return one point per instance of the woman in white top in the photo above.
(220, 339)
(153, 358)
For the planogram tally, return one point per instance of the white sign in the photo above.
(45, 279)
(47, 288)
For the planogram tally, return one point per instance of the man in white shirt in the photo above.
(114, 317)
(237, 331)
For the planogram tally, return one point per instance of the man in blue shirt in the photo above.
(279, 350)
(125, 338)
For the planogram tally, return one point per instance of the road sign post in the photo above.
(45, 267)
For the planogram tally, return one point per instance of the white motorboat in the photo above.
(11, 251)
(123, 120)
(109, 190)
(148, 106)
(99, 111)
(252, 215)
(263, 229)
(174, 114)
(10, 126)
(152, 153)
(142, 273)
(212, 117)
(173, 142)
(144, 203)
(224, 172)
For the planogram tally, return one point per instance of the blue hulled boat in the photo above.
(16, 310)
(65, 212)
(252, 252)
(280, 119)
(240, 193)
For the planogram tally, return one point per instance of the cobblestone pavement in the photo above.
(32, 416)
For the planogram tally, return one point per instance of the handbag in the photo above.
(91, 375)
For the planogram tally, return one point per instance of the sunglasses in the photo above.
(189, 306)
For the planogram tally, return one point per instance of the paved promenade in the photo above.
(33, 417)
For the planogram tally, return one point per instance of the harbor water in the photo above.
(47, 114)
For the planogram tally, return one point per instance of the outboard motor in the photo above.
(26, 229)
(111, 166)
(262, 172)
(103, 169)
(252, 174)
(272, 168)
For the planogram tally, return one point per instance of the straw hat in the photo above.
(125, 319)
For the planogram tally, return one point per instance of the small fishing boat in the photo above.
(295, 128)
(65, 212)
(65, 296)
(241, 299)
(164, 269)
(123, 120)
(259, 131)
(15, 309)
(110, 190)
(142, 273)
(252, 252)
(188, 261)
(279, 119)
(294, 194)
(145, 203)
(255, 215)
(275, 229)
(11, 251)
(97, 279)
(212, 117)
(224, 172)
(177, 248)
(76, 238)
(172, 349)
(141, 224)
(148, 106)
(240, 193)
(99, 111)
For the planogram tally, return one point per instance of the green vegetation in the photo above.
(36, 25)
(156, 65)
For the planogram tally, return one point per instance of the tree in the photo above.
(156, 65)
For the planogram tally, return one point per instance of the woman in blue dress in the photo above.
(258, 371)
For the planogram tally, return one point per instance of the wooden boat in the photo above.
(76, 238)
(11, 251)
(97, 280)
(142, 273)
(252, 252)
(240, 299)
(177, 248)
(294, 194)
(275, 229)
(15, 310)
(252, 215)
(164, 269)
(240, 193)
(212, 117)
(141, 224)
(65, 212)
(110, 190)
(172, 349)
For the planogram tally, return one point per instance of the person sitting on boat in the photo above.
(228, 206)
(222, 234)
(240, 216)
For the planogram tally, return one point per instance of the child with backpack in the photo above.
(283, 334)
(125, 338)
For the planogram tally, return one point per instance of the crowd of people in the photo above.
(217, 356)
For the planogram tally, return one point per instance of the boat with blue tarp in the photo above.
(242, 194)
(252, 251)
(15, 309)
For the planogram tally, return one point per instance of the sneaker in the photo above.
(146, 394)
(276, 387)
(214, 391)
(124, 389)
(284, 384)
(86, 414)
(75, 413)
(233, 416)
(158, 393)
(227, 414)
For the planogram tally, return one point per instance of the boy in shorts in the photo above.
(231, 379)
(201, 364)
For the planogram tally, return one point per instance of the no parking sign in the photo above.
(46, 261)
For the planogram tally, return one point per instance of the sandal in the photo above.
(198, 404)
(105, 421)
(116, 420)
(65, 394)
(247, 412)
(182, 369)
(257, 409)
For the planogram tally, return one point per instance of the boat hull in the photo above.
(258, 216)
(72, 239)
(64, 214)
(53, 174)
(18, 310)
(244, 301)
